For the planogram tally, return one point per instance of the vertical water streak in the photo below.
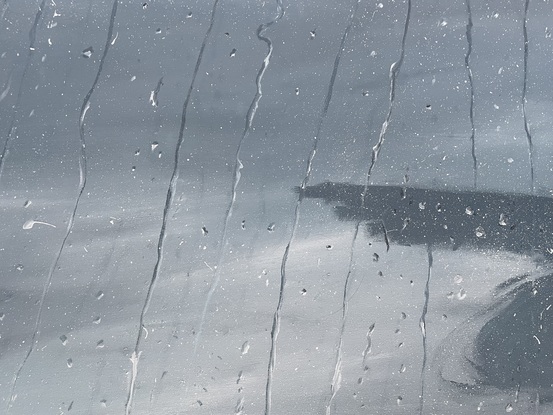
(422, 323)
(32, 40)
(471, 88)
(337, 375)
(82, 183)
(524, 90)
(168, 202)
(277, 315)
(395, 68)
(238, 165)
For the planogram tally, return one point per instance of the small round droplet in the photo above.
(189, 15)
(100, 344)
(133, 168)
(462, 294)
(303, 291)
(312, 35)
(158, 31)
(154, 145)
(443, 22)
(137, 152)
(232, 53)
(271, 227)
(297, 90)
(469, 211)
(457, 279)
(376, 257)
(480, 232)
(502, 219)
(428, 107)
(27, 203)
(509, 408)
(365, 93)
(204, 231)
(329, 247)
(63, 339)
(399, 399)
(243, 224)
(69, 363)
(97, 320)
(144, 6)
(422, 206)
(510, 160)
(19, 267)
(99, 295)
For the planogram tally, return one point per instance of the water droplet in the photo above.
(303, 291)
(461, 295)
(133, 168)
(444, 317)
(232, 53)
(19, 267)
(144, 6)
(496, 15)
(457, 279)
(469, 211)
(69, 363)
(422, 206)
(27, 203)
(63, 339)
(450, 295)
(154, 145)
(99, 295)
(359, 381)
(158, 31)
(502, 219)
(479, 407)
(509, 408)
(399, 399)
(402, 368)
(439, 207)
(443, 22)
(329, 247)
(271, 227)
(97, 320)
(428, 106)
(365, 93)
(103, 402)
(2, 315)
(245, 348)
(373, 53)
(100, 344)
(243, 224)
(297, 91)
(403, 315)
(87, 53)
(312, 35)
(376, 257)
(510, 160)
(480, 232)
(189, 15)
(204, 231)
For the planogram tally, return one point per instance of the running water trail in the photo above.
(277, 315)
(471, 87)
(238, 165)
(15, 112)
(135, 356)
(524, 90)
(337, 375)
(395, 68)
(422, 323)
(82, 183)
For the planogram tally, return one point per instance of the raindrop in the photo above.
(312, 35)
(69, 363)
(509, 408)
(137, 152)
(189, 15)
(376, 257)
(30, 223)
(99, 295)
(403, 315)
(399, 399)
(428, 106)
(103, 402)
(469, 211)
(133, 168)
(444, 317)
(27, 203)
(97, 320)
(232, 53)
(450, 295)
(329, 247)
(457, 279)
(63, 339)
(365, 93)
(100, 344)
(461, 295)
(204, 231)
(303, 291)
(227, 34)
(510, 160)
(158, 31)
(479, 407)
(2, 315)
(359, 381)
(87, 53)
(439, 207)
(502, 219)
(245, 348)
(443, 22)
(154, 145)
(271, 227)
(480, 232)
(144, 6)
(422, 206)
(402, 368)
(19, 267)
(297, 91)
(243, 224)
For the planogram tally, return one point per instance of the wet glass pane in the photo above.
(276, 207)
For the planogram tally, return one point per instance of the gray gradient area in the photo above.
(276, 207)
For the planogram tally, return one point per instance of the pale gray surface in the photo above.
(179, 213)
